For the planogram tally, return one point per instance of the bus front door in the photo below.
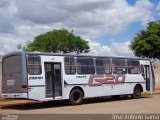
(146, 75)
(53, 80)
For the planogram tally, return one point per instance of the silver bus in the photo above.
(48, 76)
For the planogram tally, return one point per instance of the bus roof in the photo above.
(69, 54)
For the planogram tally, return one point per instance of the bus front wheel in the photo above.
(76, 97)
(136, 92)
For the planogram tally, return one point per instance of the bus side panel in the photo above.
(120, 89)
(104, 90)
(36, 84)
(131, 80)
(88, 91)
(134, 78)
(37, 93)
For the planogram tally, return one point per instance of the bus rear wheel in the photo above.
(137, 92)
(76, 97)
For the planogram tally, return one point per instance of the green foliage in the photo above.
(147, 42)
(57, 41)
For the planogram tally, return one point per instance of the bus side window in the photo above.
(119, 66)
(133, 67)
(70, 67)
(34, 65)
(142, 70)
(103, 66)
(85, 65)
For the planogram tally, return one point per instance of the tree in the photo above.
(57, 41)
(147, 42)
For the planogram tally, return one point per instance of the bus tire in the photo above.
(76, 96)
(136, 92)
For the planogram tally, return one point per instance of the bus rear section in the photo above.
(14, 84)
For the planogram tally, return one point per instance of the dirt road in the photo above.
(150, 104)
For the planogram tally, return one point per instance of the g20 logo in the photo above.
(98, 80)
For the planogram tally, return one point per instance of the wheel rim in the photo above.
(137, 92)
(76, 96)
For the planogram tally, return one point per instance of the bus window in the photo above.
(119, 66)
(70, 67)
(85, 66)
(133, 67)
(142, 70)
(103, 66)
(34, 65)
(12, 64)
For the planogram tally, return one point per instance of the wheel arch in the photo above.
(78, 87)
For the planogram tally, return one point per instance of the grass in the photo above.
(146, 94)
(4, 100)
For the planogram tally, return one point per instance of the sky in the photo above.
(108, 25)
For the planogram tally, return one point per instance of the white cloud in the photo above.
(4, 3)
(116, 49)
(99, 49)
(121, 49)
(158, 9)
(146, 8)
(7, 16)
(8, 43)
(92, 18)
(22, 20)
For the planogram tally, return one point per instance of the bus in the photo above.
(49, 76)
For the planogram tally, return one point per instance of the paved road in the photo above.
(150, 104)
